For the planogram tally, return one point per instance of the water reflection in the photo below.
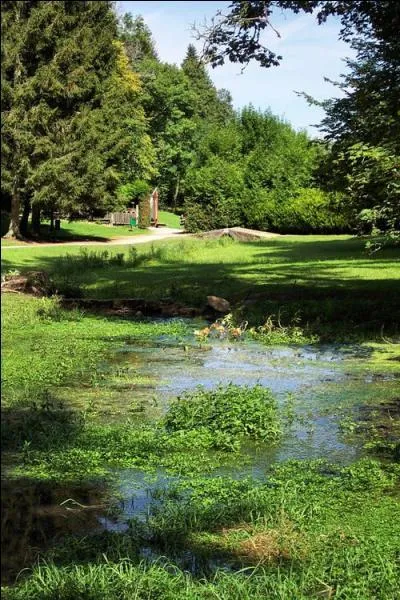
(37, 515)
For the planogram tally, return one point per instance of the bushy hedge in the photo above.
(215, 196)
(309, 210)
(200, 217)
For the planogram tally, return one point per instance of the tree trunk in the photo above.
(35, 219)
(176, 193)
(13, 230)
(23, 225)
(52, 220)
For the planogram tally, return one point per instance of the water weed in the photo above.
(94, 450)
(233, 410)
(45, 347)
(273, 332)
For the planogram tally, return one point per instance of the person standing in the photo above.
(132, 218)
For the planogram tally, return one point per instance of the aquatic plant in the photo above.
(232, 409)
(272, 331)
(223, 328)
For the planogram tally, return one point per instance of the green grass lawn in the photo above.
(169, 219)
(86, 230)
(330, 278)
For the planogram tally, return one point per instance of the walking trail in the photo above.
(156, 234)
(239, 233)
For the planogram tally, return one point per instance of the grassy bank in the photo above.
(328, 282)
(309, 530)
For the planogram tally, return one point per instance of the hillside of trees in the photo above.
(92, 119)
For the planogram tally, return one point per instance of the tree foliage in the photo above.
(72, 124)
(363, 125)
(236, 35)
(137, 39)
(261, 173)
(90, 113)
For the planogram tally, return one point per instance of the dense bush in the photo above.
(212, 216)
(373, 185)
(232, 409)
(215, 196)
(267, 182)
(130, 193)
(309, 210)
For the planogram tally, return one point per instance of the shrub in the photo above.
(198, 217)
(308, 210)
(234, 410)
(133, 191)
(214, 196)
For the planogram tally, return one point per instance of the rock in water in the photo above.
(219, 304)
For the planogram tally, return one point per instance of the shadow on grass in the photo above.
(35, 518)
(38, 427)
(324, 281)
(63, 235)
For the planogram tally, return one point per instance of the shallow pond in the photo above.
(319, 382)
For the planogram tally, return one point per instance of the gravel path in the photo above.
(157, 233)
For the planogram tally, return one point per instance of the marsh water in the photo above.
(317, 382)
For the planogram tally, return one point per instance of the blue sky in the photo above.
(310, 53)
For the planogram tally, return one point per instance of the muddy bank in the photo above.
(139, 307)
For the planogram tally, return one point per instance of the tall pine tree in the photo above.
(211, 104)
(72, 121)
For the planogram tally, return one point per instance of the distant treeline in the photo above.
(92, 120)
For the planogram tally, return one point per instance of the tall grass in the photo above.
(309, 531)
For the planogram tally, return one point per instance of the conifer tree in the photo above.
(72, 122)
(210, 104)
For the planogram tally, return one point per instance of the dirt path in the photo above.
(156, 234)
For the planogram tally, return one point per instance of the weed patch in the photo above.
(96, 449)
(234, 410)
